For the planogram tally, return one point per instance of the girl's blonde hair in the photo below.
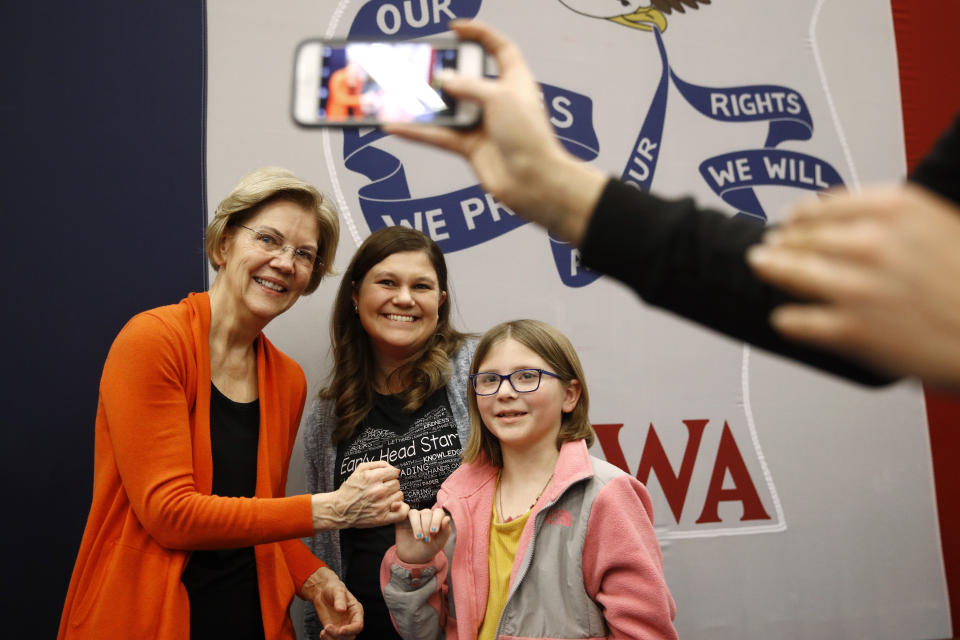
(555, 349)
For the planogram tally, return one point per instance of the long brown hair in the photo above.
(354, 362)
(556, 350)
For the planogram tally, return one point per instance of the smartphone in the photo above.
(369, 83)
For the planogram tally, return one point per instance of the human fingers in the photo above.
(481, 90)
(341, 632)
(415, 517)
(860, 240)
(375, 483)
(812, 205)
(826, 326)
(371, 467)
(400, 508)
(356, 614)
(337, 612)
(340, 597)
(387, 503)
(841, 204)
(390, 486)
(380, 512)
(350, 623)
(436, 518)
(383, 472)
(349, 630)
(397, 509)
(504, 51)
(388, 494)
(811, 275)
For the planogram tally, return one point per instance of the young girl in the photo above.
(531, 537)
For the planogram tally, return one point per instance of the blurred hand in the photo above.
(337, 609)
(882, 271)
(370, 497)
(514, 151)
(422, 535)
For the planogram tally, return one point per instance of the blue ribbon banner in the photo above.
(467, 217)
(733, 176)
(407, 19)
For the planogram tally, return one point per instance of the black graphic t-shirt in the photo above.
(426, 447)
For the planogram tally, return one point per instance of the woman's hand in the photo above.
(422, 535)
(879, 269)
(337, 609)
(370, 497)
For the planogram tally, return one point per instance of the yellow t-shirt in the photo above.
(504, 538)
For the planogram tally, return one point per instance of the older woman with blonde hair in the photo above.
(189, 533)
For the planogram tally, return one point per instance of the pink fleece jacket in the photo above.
(588, 564)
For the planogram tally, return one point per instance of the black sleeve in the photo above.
(690, 261)
(939, 171)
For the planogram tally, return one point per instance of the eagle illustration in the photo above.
(630, 13)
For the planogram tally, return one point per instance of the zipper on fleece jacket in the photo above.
(531, 549)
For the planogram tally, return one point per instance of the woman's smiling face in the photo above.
(257, 285)
(398, 302)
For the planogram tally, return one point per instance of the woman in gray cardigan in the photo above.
(398, 393)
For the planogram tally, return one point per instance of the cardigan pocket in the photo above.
(88, 587)
(124, 593)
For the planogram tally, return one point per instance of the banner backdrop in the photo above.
(788, 503)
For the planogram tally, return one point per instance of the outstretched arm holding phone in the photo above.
(675, 255)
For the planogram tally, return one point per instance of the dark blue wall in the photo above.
(102, 202)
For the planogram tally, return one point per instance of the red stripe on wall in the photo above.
(943, 412)
(929, 60)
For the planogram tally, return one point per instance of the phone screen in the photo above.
(383, 82)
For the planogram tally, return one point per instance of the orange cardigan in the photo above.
(153, 474)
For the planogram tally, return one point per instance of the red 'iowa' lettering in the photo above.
(675, 485)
